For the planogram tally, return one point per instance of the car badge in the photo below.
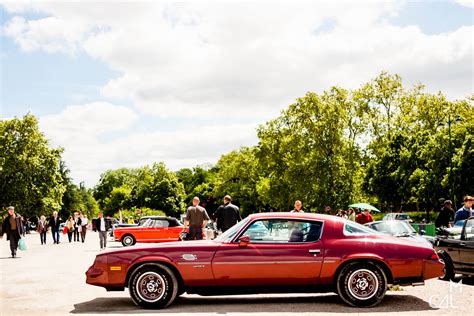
(189, 257)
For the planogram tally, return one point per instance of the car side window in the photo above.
(469, 230)
(283, 231)
(161, 223)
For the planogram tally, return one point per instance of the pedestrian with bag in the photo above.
(42, 229)
(13, 228)
(69, 228)
(196, 219)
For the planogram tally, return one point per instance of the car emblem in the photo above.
(189, 257)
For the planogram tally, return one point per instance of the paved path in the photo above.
(49, 280)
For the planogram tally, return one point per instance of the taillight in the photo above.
(434, 256)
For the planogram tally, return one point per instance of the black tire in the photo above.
(361, 284)
(153, 286)
(448, 268)
(128, 240)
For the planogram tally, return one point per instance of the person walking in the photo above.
(196, 219)
(77, 226)
(364, 217)
(13, 228)
(101, 225)
(70, 228)
(54, 223)
(227, 215)
(83, 227)
(42, 229)
(446, 214)
(466, 211)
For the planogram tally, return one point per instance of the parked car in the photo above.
(402, 230)
(457, 251)
(300, 253)
(154, 229)
(456, 230)
(397, 216)
(140, 222)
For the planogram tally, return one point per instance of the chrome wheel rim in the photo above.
(128, 240)
(363, 284)
(151, 287)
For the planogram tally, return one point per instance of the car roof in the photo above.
(158, 217)
(311, 216)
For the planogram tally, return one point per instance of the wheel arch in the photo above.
(380, 263)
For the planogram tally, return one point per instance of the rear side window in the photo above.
(173, 223)
(351, 228)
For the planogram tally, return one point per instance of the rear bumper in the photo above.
(432, 269)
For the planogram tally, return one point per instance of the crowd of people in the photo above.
(196, 219)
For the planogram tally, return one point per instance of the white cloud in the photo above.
(80, 130)
(466, 3)
(226, 62)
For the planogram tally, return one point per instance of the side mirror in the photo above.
(244, 241)
(422, 232)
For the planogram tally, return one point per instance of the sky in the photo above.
(125, 84)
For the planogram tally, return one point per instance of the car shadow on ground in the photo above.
(236, 304)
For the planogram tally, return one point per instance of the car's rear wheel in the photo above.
(128, 240)
(448, 268)
(153, 286)
(362, 284)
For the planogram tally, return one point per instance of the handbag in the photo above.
(22, 244)
(65, 230)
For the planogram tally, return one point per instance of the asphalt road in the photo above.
(50, 280)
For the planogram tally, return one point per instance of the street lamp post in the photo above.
(450, 121)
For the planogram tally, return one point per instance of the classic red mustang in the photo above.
(153, 229)
(270, 253)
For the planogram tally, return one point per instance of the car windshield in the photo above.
(230, 233)
(395, 228)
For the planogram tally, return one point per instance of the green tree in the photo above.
(29, 170)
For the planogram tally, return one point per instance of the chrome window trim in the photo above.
(240, 233)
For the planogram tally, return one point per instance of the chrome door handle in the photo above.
(314, 251)
(462, 244)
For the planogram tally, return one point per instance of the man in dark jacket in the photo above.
(55, 223)
(12, 226)
(227, 215)
(445, 215)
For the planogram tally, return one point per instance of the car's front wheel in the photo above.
(128, 240)
(153, 286)
(362, 284)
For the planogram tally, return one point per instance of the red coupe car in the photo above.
(153, 229)
(270, 253)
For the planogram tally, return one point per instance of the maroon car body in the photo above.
(269, 253)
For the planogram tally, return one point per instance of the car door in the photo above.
(156, 231)
(466, 247)
(174, 229)
(279, 252)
